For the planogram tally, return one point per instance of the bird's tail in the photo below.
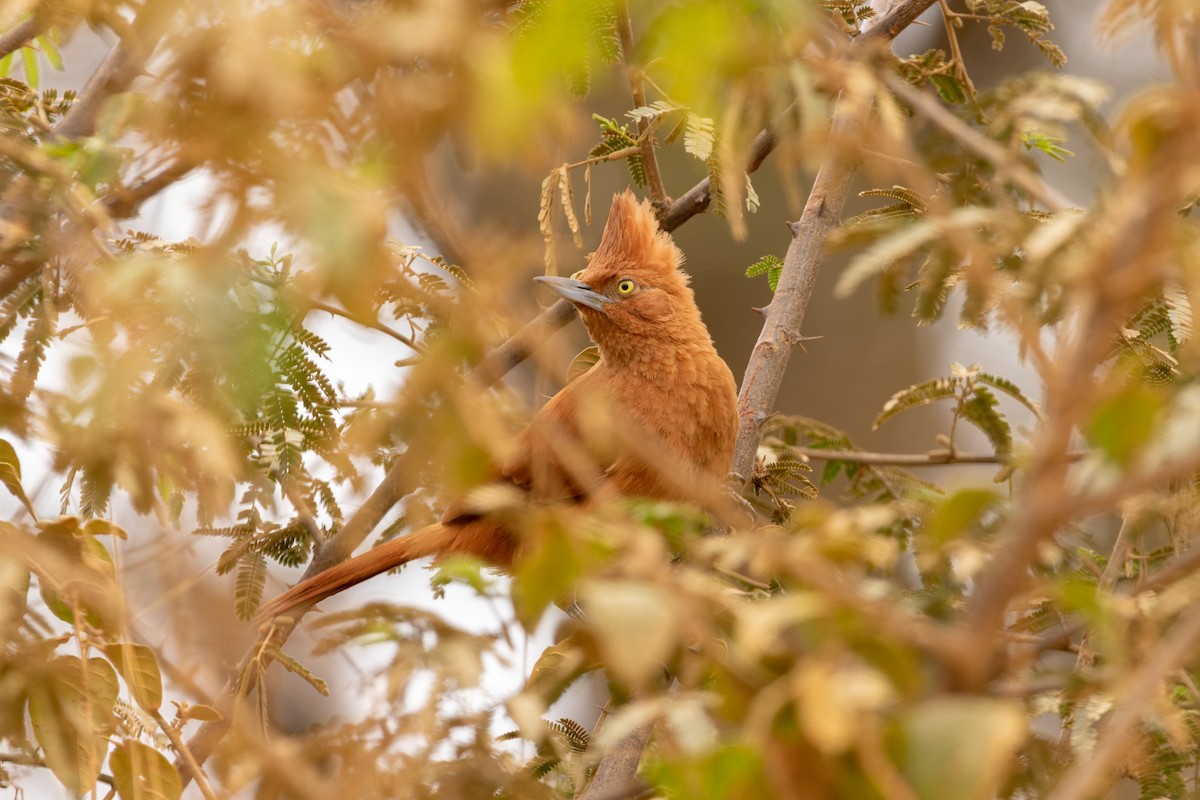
(428, 541)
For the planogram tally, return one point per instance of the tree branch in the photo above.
(696, 199)
(125, 61)
(936, 459)
(26, 760)
(781, 331)
(125, 201)
(23, 33)
(654, 182)
(615, 774)
(373, 324)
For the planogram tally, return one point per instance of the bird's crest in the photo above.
(632, 235)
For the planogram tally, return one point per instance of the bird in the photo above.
(655, 417)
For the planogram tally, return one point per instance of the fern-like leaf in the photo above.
(769, 265)
(982, 410)
(919, 394)
(1010, 389)
(248, 588)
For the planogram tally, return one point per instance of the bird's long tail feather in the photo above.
(427, 541)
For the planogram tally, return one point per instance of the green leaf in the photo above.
(14, 594)
(10, 475)
(248, 588)
(917, 395)
(544, 575)
(1124, 422)
(958, 512)
(983, 411)
(142, 773)
(463, 569)
(90, 586)
(72, 715)
(699, 138)
(1047, 144)
(559, 666)
(942, 762)
(139, 667)
(50, 48)
(771, 266)
(949, 89)
(198, 711)
(732, 771)
(30, 62)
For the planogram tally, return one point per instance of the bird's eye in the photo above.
(625, 286)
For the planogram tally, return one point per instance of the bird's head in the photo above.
(632, 285)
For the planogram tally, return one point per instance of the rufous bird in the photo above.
(654, 418)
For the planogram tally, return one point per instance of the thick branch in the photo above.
(781, 332)
(22, 34)
(615, 774)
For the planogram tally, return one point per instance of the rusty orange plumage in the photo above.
(656, 417)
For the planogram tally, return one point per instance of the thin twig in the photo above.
(935, 459)
(27, 760)
(185, 755)
(654, 183)
(373, 324)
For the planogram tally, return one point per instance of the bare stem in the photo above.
(934, 459)
(373, 324)
(185, 755)
(654, 183)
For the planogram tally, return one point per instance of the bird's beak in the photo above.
(575, 291)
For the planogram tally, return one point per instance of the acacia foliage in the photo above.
(1040, 640)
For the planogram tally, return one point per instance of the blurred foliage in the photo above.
(889, 633)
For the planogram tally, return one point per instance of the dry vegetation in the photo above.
(1047, 647)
